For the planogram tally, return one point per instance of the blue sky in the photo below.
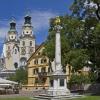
(40, 10)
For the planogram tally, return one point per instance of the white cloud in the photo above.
(3, 32)
(40, 21)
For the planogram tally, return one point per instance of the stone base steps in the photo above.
(47, 97)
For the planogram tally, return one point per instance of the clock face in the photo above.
(23, 50)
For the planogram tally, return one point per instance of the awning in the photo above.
(4, 81)
(5, 85)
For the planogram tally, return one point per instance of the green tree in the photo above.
(89, 12)
(20, 76)
(86, 8)
(80, 36)
(79, 79)
(71, 42)
(77, 58)
(82, 78)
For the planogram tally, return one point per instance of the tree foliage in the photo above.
(80, 36)
(89, 12)
(86, 8)
(71, 42)
(20, 76)
(79, 79)
(82, 78)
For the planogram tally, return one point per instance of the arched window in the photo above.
(33, 71)
(15, 51)
(30, 43)
(39, 53)
(23, 43)
(36, 61)
(49, 70)
(23, 61)
(16, 65)
(43, 69)
(41, 61)
(37, 70)
(51, 83)
(44, 60)
(12, 37)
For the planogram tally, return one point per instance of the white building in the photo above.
(17, 49)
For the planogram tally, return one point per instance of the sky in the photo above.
(40, 10)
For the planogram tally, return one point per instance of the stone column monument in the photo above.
(58, 83)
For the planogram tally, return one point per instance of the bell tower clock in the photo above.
(11, 47)
(27, 39)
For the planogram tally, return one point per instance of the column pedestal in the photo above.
(58, 84)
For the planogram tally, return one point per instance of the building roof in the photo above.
(38, 48)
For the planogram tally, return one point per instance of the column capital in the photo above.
(58, 28)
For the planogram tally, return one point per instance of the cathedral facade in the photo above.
(18, 47)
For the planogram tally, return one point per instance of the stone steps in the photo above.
(47, 97)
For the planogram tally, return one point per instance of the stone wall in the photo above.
(87, 88)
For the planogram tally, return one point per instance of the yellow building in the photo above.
(85, 71)
(39, 70)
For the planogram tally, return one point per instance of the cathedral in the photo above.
(18, 47)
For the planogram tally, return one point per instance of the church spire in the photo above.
(12, 33)
(27, 19)
(27, 29)
(12, 25)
